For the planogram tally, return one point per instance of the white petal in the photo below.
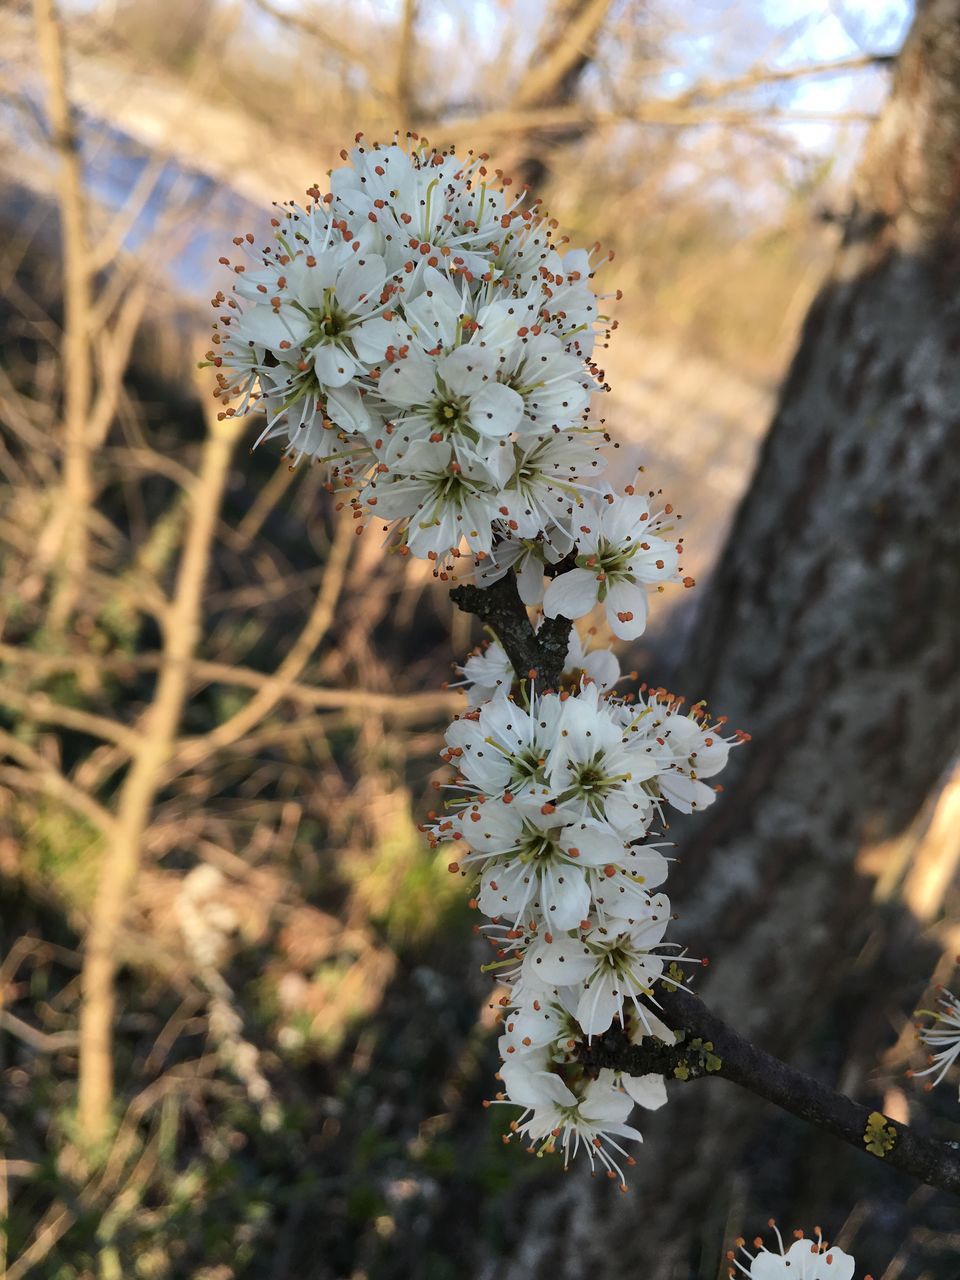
(601, 665)
(345, 407)
(466, 369)
(371, 339)
(571, 595)
(630, 600)
(562, 962)
(649, 1091)
(601, 1002)
(835, 1265)
(334, 365)
(268, 328)
(685, 793)
(530, 580)
(604, 1101)
(360, 282)
(495, 409)
(564, 896)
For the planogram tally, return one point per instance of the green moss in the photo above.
(61, 851)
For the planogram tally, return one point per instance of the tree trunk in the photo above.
(831, 632)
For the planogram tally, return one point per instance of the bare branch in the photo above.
(691, 108)
(332, 41)
(570, 50)
(666, 114)
(56, 1222)
(71, 514)
(38, 774)
(535, 655)
(39, 707)
(121, 862)
(407, 706)
(42, 1041)
(192, 750)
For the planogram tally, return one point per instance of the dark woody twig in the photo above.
(542, 652)
(709, 1047)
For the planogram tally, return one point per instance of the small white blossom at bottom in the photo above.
(804, 1260)
(943, 1037)
(557, 1119)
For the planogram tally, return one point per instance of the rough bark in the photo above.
(831, 632)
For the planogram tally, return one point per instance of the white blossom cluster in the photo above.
(556, 797)
(424, 335)
(421, 332)
(805, 1259)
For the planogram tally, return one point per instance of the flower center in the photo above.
(446, 412)
(537, 846)
(610, 559)
(528, 766)
(328, 323)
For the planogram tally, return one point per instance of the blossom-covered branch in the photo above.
(421, 333)
(705, 1045)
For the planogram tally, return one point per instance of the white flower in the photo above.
(536, 858)
(688, 747)
(551, 383)
(433, 198)
(503, 748)
(486, 671)
(599, 769)
(297, 332)
(544, 489)
(649, 1091)
(526, 556)
(417, 329)
(617, 966)
(599, 665)
(437, 388)
(542, 1020)
(620, 554)
(559, 1119)
(804, 1260)
(435, 502)
(943, 1037)
(599, 758)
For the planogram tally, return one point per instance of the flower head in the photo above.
(590, 1116)
(942, 1037)
(617, 965)
(418, 331)
(621, 553)
(805, 1259)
